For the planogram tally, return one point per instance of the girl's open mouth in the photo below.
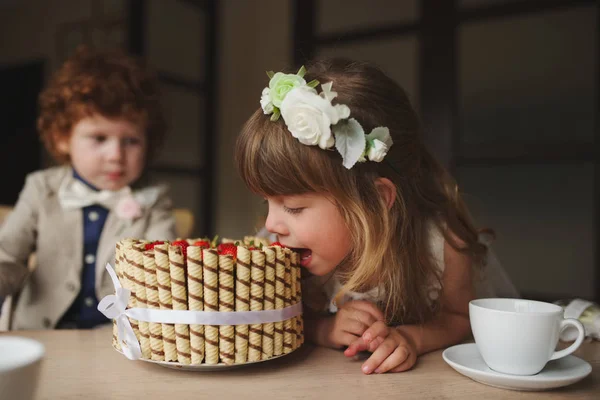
(305, 256)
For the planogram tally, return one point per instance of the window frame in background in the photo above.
(205, 88)
(436, 26)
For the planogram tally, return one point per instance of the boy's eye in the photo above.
(99, 138)
(292, 210)
(133, 141)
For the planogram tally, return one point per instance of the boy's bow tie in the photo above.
(74, 194)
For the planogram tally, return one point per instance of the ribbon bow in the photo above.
(114, 307)
(74, 194)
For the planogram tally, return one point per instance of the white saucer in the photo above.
(465, 358)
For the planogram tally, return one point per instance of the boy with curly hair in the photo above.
(101, 119)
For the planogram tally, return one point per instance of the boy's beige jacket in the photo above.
(39, 224)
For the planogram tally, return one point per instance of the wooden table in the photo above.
(83, 365)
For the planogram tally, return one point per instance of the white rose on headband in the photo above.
(377, 151)
(309, 117)
(281, 84)
(379, 142)
(265, 101)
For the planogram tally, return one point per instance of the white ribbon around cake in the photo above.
(114, 306)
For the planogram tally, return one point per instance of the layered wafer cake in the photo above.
(197, 275)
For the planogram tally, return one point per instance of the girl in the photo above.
(379, 223)
(100, 117)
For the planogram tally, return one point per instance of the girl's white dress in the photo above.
(492, 280)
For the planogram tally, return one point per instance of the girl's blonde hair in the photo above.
(390, 247)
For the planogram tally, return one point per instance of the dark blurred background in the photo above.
(508, 91)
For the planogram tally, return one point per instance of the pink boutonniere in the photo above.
(128, 208)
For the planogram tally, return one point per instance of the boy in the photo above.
(100, 117)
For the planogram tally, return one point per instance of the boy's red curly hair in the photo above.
(109, 83)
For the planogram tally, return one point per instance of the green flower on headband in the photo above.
(280, 85)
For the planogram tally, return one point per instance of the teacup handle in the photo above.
(565, 352)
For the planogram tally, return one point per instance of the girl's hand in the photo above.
(348, 324)
(392, 350)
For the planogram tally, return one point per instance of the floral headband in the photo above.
(313, 120)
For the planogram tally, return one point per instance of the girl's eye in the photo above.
(292, 210)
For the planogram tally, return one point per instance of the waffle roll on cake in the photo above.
(179, 297)
(196, 300)
(165, 299)
(120, 265)
(128, 283)
(226, 303)
(118, 269)
(298, 299)
(288, 334)
(269, 303)
(155, 329)
(242, 301)
(135, 259)
(294, 296)
(257, 288)
(279, 299)
(203, 277)
(211, 303)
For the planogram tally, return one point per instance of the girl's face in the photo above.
(312, 225)
(108, 153)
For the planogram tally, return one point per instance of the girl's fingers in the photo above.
(397, 358)
(360, 345)
(359, 315)
(407, 364)
(384, 350)
(354, 327)
(378, 329)
(356, 347)
(375, 343)
(346, 339)
(367, 307)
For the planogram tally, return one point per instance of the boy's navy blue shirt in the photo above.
(83, 313)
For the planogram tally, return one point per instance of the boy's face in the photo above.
(312, 225)
(108, 153)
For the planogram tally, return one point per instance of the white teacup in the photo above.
(517, 336)
(19, 367)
